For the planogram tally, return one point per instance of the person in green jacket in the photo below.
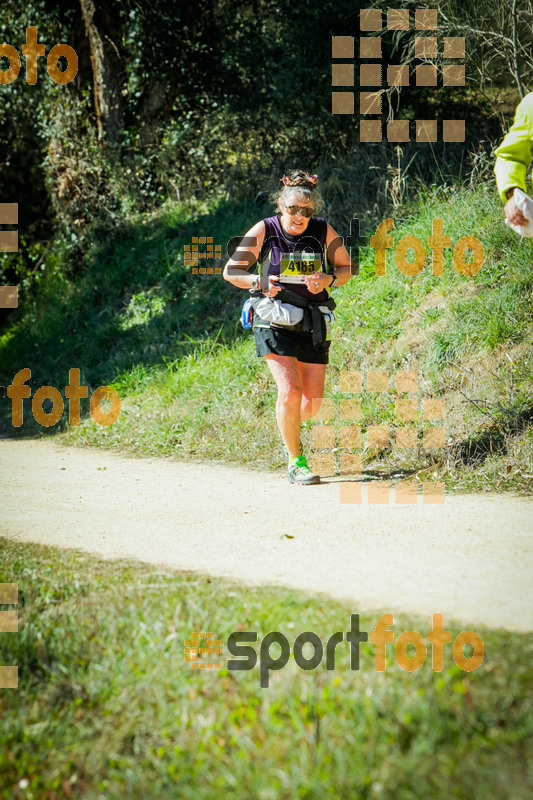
(513, 158)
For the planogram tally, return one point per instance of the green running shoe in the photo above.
(300, 473)
(286, 452)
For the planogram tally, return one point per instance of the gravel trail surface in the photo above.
(470, 558)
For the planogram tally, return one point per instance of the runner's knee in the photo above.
(290, 394)
(310, 406)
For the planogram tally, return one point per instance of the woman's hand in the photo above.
(513, 213)
(317, 282)
(273, 286)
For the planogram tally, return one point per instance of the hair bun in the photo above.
(300, 185)
(300, 178)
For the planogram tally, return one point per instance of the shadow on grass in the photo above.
(477, 448)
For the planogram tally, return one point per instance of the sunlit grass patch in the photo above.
(107, 706)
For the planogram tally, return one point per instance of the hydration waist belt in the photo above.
(313, 319)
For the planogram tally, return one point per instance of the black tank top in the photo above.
(278, 242)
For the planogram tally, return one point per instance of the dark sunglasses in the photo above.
(305, 211)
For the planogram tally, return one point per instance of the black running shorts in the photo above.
(287, 343)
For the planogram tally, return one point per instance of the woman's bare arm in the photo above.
(244, 257)
(342, 263)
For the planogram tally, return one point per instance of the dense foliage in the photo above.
(209, 99)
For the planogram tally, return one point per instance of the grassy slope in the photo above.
(192, 386)
(107, 708)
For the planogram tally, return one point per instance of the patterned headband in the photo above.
(309, 178)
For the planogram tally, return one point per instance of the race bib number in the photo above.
(295, 266)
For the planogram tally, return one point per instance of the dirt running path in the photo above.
(471, 558)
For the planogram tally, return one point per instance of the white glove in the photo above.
(524, 203)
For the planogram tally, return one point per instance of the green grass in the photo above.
(198, 406)
(107, 708)
(190, 382)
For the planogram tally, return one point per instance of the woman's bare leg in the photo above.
(312, 378)
(300, 390)
(288, 405)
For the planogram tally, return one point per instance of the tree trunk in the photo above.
(102, 23)
(156, 104)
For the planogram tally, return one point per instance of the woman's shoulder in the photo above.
(257, 230)
(259, 226)
(319, 227)
(272, 227)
